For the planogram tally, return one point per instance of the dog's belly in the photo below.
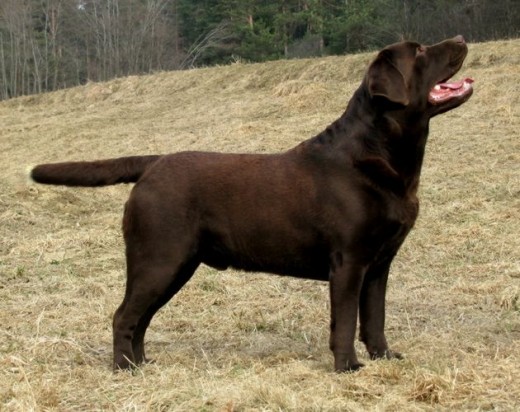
(311, 263)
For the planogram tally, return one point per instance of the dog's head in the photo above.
(415, 77)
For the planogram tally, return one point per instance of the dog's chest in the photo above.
(406, 210)
(402, 214)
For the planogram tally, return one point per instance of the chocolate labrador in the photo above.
(335, 208)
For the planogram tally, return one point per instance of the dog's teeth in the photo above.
(437, 87)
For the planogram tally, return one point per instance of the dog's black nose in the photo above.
(459, 39)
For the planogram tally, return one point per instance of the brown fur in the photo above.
(336, 208)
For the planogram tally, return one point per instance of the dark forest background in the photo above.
(51, 44)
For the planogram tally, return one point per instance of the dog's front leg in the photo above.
(372, 312)
(346, 279)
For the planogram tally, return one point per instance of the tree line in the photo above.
(51, 44)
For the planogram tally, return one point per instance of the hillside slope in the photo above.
(231, 341)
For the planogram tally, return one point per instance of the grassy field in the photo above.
(231, 341)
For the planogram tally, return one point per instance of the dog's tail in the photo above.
(96, 173)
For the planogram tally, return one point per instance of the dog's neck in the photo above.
(387, 145)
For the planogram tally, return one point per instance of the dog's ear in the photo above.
(386, 80)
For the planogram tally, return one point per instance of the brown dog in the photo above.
(336, 207)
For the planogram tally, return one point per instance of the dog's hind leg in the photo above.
(149, 287)
(180, 279)
(160, 258)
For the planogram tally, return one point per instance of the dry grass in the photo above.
(234, 341)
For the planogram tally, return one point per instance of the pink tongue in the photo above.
(455, 85)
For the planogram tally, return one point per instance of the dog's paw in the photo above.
(148, 361)
(350, 368)
(385, 354)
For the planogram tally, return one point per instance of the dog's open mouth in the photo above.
(444, 91)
